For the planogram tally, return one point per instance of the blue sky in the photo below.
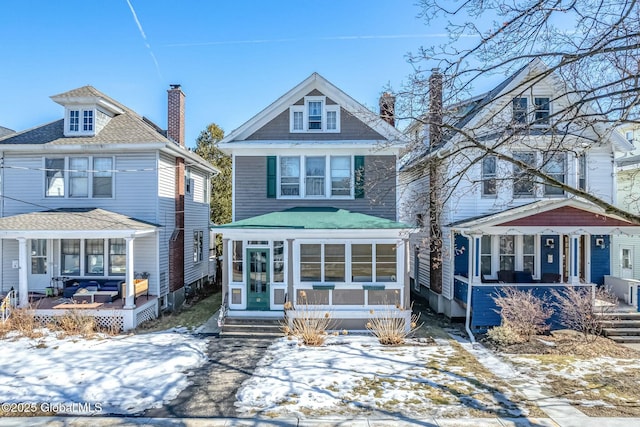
(232, 58)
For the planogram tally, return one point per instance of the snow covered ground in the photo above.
(356, 375)
(123, 374)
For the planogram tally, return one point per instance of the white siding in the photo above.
(166, 214)
(144, 253)
(196, 219)
(9, 274)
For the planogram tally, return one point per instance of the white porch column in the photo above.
(474, 258)
(404, 270)
(129, 298)
(574, 259)
(23, 271)
(224, 280)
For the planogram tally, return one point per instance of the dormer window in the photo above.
(315, 115)
(80, 121)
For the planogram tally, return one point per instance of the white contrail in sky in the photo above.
(285, 40)
(144, 37)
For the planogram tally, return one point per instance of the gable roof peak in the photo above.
(89, 95)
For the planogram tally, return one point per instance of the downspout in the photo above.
(467, 321)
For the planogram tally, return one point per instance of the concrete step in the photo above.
(621, 323)
(243, 327)
(621, 316)
(611, 332)
(626, 339)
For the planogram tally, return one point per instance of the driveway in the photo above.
(214, 386)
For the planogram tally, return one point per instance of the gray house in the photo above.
(315, 208)
(103, 197)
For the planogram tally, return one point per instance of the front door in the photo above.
(258, 279)
(626, 262)
(39, 274)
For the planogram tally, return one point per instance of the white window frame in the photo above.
(531, 110)
(67, 177)
(545, 161)
(106, 258)
(489, 177)
(518, 261)
(304, 109)
(523, 173)
(328, 191)
(534, 106)
(349, 283)
(198, 246)
(79, 125)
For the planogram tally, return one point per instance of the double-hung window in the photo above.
(290, 176)
(78, 177)
(341, 175)
(87, 121)
(102, 177)
(70, 257)
(489, 176)
(523, 182)
(315, 115)
(507, 252)
(542, 111)
(485, 255)
(582, 171)
(315, 176)
(519, 107)
(555, 167)
(94, 257)
(198, 246)
(54, 177)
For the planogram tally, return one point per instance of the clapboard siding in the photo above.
(600, 260)
(166, 214)
(251, 190)
(9, 274)
(144, 254)
(486, 314)
(196, 219)
(134, 187)
(351, 128)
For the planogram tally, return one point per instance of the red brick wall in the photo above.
(175, 121)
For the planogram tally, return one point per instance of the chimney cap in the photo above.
(175, 86)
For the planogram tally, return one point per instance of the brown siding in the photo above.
(350, 129)
(251, 190)
(348, 297)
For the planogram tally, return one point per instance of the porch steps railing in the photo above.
(622, 327)
(251, 327)
(7, 305)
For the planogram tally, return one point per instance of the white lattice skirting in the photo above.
(123, 320)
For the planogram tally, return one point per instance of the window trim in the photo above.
(518, 254)
(530, 111)
(522, 173)
(545, 162)
(304, 109)
(75, 126)
(489, 177)
(302, 179)
(66, 177)
(348, 271)
(198, 246)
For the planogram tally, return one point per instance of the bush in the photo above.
(504, 336)
(389, 328)
(522, 313)
(73, 322)
(307, 323)
(24, 322)
(582, 309)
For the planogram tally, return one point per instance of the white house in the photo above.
(103, 195)
(498, 222)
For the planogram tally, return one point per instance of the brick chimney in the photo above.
(387, 108)
(175, 117)
(175, 132)
(435, 107)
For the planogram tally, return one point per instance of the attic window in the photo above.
(80, 122)
(315, 115)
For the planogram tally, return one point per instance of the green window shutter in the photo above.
(271, 177)
(358, 173)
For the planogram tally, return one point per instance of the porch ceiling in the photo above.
(74, 222)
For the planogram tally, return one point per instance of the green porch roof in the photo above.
(317, 218)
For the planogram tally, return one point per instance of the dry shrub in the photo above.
(73, 322)
(391, 329)
(504, 336)
(522, 312)
(24, 322)
(308, 323)
(582, 309)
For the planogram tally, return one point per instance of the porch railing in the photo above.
(6, 306)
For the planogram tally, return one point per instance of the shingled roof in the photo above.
(126, 127)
